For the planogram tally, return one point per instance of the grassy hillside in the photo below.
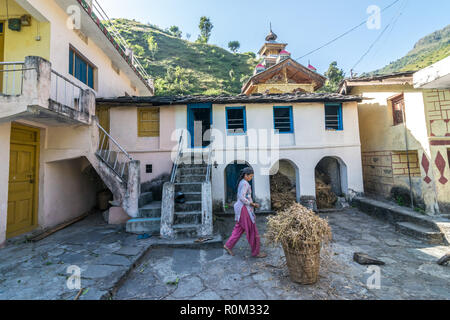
(183, 67)
(427, 51)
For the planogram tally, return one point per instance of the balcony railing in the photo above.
(11, 78)
(97, 13)
(65, 92)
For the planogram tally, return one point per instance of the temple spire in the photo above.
(271, 36)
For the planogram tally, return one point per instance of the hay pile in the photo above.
(283, 193)
(296, 227)
(325, 197)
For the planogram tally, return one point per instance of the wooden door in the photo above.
(104, 121)
(23, 181)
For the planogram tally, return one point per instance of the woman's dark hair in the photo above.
(244, 172)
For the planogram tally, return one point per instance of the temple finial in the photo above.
(272, 36)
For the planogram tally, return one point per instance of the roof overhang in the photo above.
(436, 76)
(272, 45)
(297, 69)
(227, 99)
(403, 78)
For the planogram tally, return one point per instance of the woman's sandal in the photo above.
(261, 256)
(228, 251)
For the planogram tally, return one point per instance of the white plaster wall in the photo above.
(5, 134)
(149, 150)
(109, 83)
(68, 193)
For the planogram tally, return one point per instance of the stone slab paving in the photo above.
(410, 272)
(104, 253)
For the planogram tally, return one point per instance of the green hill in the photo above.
(183, 67)
(427, 51)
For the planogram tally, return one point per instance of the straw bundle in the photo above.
(282, 192)
(302, 234)
(326, 198)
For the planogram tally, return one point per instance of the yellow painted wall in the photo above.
(283, 87)
(381, 141)
(19, 44)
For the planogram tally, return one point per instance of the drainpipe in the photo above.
(411, 194)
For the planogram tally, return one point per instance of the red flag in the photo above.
(310, 67)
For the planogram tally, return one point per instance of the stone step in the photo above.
(188, 206)
(152, 210)
(144, 225)
(188, 187)
(393, 213)
(145, 198)
(193, 217)
(193, 196)
(428, 235)
(190, 178)
(192, 171)
(186, 231)
(192, 166)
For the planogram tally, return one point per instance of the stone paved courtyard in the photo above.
(106, 254)
(411, 271)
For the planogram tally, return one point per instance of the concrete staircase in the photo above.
(149, 217)
(187, 220)
(431, 230)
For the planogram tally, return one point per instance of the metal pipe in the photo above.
(411, 194)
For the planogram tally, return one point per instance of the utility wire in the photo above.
(392, 22)
(345, 33)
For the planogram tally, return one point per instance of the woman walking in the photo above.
(245, 216)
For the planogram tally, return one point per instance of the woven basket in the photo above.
(304, 263)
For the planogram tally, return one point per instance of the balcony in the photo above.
(31, 90)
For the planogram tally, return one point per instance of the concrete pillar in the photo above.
(168, 211)
(87, 103)
(37, 80)
(133, 188)
(207, 212)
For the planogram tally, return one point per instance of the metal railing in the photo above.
(11, 78)
(113, 154)
(106, 21)
(65, 91)
(175, 164)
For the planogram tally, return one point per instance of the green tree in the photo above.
(152, 46)
(205, 27)
(335, 76)
(175, 31)
(234, 46)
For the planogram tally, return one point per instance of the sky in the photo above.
(304, 25)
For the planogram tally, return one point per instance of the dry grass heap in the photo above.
(325, 197)
(282, 192)
(297, 227)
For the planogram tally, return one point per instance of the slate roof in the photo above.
(228, 99)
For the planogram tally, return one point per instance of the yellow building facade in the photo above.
(405, 139)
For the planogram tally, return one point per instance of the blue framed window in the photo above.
(236, 120)
(333, 117)
(283, 119)
(80, 68)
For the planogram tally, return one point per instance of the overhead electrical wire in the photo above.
(391, 23)
(345, 33)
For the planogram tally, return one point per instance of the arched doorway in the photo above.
(232, 172)
(284, 184)
(331, 182)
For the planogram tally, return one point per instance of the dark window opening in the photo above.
(149, 168)
(283, 121)
(398, 107)
(81, 69)
(236, 120)
(333, 117)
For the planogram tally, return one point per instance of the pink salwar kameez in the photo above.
(245, 220)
